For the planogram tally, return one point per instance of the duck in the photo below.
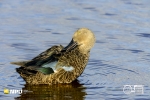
(59, 64)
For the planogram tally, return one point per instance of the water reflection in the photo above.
(73, 91)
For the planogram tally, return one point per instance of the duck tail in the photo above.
(25, 73)
(21, 63)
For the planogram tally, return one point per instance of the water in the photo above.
(121, 55)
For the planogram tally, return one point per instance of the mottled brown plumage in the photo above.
(59, 64)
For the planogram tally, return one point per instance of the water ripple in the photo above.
(147, 35)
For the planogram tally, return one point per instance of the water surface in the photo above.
(121, 55)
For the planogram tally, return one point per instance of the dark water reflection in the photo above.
(73, 91)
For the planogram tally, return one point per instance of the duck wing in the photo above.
(41, 58)
(44, 62)
(46, 56)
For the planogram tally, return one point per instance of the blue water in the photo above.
(121, 55)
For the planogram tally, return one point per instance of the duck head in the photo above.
(84, 39)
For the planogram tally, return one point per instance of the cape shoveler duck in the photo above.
(59, 64)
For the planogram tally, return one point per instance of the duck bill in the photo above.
(71, 45)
